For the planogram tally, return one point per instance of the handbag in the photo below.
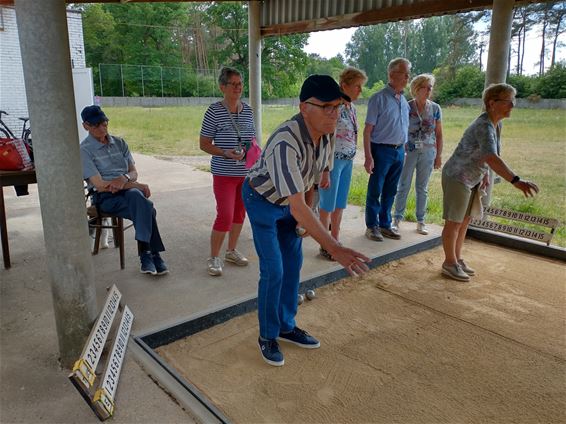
(251, 148)
(14, 155)
(253, 152)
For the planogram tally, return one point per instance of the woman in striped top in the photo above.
(227, 127)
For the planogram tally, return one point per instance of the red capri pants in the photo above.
(229, 205)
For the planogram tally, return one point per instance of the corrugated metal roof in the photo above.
(293, 16)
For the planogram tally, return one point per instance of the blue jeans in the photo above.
(133, 205)
(280, 260)
(382, 184)
(336, 196)
(423, 161)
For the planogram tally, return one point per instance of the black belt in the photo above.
(391, 146)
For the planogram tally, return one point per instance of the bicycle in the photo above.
(6, 132)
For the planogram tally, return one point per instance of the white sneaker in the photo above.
(104, 233)
(214, 266)
(422, 228)
(235, 257)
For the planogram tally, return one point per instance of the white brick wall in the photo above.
(12, 88)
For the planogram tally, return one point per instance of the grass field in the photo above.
(534, 145)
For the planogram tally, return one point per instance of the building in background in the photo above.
(12, 89)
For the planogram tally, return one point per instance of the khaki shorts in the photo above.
(457, 199)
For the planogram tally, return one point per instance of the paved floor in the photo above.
(34, 389)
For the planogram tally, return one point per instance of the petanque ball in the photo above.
(311, 294)
(301, 299)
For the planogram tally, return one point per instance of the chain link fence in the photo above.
(123, 80)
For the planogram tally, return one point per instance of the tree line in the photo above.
(178, 49)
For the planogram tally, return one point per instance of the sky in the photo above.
(328, 44)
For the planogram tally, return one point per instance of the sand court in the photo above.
(403, 344)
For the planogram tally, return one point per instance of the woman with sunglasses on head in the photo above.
(227, 127)
(423, 149)
(335, 185)
(466, 172)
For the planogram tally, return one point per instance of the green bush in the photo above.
(468, 81)
(525, 85)
(552, 85)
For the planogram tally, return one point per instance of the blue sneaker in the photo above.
(147, 265)
(270, 352)
(300, 338)
(160, 265)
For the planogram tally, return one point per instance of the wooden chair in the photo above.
(96, 222)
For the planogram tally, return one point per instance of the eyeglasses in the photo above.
(235, 84)
(327, 109)
(98, 125)
(511, 102)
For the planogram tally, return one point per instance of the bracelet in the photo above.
(515, 179)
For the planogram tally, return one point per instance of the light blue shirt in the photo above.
(109, 160)
(389, 116)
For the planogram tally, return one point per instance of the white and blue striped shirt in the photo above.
(218, 126)
(290, 162)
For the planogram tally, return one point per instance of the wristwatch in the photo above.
(128, 177)
(515, 179)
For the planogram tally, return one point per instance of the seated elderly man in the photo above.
(109, 168)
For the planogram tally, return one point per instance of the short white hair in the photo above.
(394, 64)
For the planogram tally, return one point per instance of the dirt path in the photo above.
(403, 345)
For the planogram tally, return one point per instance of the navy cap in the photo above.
(93, 115)
(321, 87)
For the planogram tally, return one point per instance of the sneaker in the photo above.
(270, 352)
(374, 234)
(324, 253)
(396, 223)
(214, 265)
(300, 338)
(391, 233)
(160, 265)
(455, 272)
(466, 268)
(235, 257)
(147, 265)
(422, 228)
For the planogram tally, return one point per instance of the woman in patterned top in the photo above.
(466, 172)
(334, 198)
(423, 149)
(228, 126)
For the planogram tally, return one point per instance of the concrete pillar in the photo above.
(497, 59)
(499, 41)
(254, 49)
(44, 43)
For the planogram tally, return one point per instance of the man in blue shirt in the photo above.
(385, 135)
(109, 169)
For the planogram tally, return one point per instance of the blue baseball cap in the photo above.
(93, 115)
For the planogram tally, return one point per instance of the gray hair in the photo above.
(396, 62)
(226, 73)
(494, 91)
(419, 81)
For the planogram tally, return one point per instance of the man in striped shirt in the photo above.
(295, 158)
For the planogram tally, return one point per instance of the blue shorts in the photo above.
(336, 196)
